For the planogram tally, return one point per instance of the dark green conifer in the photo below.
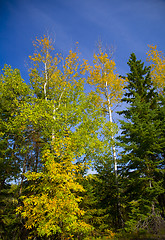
(142, 142)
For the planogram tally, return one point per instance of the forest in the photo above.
(67, 169)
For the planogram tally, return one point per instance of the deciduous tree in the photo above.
(157, 62)
(109, 86)
(52, 206)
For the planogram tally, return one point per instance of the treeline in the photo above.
(53, 132)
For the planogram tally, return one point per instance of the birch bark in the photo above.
(111, 121)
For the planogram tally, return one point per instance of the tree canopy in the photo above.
(58, 127)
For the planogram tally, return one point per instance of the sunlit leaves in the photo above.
(53, 204)
(43, 66)
(13, 93)
(157, 62)
(104, 77)
(60, 124)
(53, 75)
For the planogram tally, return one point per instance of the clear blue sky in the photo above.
(128, 25)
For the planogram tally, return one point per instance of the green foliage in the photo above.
(12, 94)
(59, 111)
(52, 132)
(142, 142)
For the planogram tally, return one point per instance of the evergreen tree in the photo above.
(157, 62)
(161, 176)
(142, 142)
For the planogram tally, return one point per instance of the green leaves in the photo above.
(51, 132)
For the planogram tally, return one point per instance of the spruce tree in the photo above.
(141, 138)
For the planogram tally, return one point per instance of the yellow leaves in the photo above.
(104, 77)
(157, 62)
(42, 59)
(70, 67)
(84, 67)
(56, 198)
(110, 235)
(33, 175)
(54, 74)
(45, 42)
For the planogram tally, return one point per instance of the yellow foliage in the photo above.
(53, 204)
(53, 76)
(157, 62)
(110, 234)
(104, 77)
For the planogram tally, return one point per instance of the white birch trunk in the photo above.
(45, 94)
(54, 111)
(53, 134)
(46, 81)
(110, 119)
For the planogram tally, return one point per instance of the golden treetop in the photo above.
(157, 62)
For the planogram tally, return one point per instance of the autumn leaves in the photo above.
(52, 131)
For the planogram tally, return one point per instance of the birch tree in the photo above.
(59, 81)
(109, 86)
(66, 120)
(157, 62)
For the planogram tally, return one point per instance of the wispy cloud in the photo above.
(123, 19)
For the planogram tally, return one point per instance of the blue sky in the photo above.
(128, 25)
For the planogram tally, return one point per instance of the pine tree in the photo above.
(141, 139)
